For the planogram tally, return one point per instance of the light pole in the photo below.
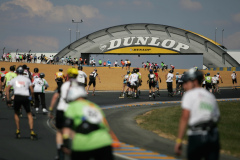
(16, 51)
(73, 21)
(216, 35)
(222, 37)
(70, 34)
(3, 50)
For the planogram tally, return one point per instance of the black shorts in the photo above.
(92, 82)
(152, 85)
(21, 101)
(214, 85)
(2, 79)
(208, 86)
(59, 119)
(234, 81)
(217, 81)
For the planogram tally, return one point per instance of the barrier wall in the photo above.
(225, 69)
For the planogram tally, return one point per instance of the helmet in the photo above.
(95, 69)
(20, 70)
(192, 74)
(155, 71)
(60, 69)
(41, 75)
(24, 66)
(233, 71)
(35, 70)
(80, 67)
(75, 92)
(151, 71)
(135, 70)
(28, 68)
(72, 72)
(177, 73)
(12, 68)
(217, 72)
(208, 74)
(128, 72)
(214, 75)
(171, 71)
(2, 69)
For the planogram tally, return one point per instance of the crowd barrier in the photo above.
(225, 69)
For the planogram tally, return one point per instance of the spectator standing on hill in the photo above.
(122, 63)
(35, 58)
(100, 62)
(4, 56)
(10, 58)
(109, 63)
(234, 80)
(200, 113)
(169, 79)
(17, 57)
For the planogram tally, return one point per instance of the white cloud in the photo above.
(35, 43)
(236, 17)
(46, 10)
(190, 5)
(232, 41)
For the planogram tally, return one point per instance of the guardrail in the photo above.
(224, 69)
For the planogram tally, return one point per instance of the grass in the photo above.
(164, 122)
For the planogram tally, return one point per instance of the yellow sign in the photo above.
(142, 49)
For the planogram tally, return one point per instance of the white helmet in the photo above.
(75, 92)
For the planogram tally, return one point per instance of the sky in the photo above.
(43, 25)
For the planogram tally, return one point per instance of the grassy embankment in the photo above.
(164, 122)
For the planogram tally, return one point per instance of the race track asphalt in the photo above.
(121, 121)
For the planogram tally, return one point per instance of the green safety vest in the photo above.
(208, 79)
(9, 76)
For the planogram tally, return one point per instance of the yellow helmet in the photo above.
(72, 72)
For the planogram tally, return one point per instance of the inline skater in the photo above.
(125, 81)
(109, 63)
(116, 63)
(35, 74)
(39, 85)
(180, 84)
(151, 81)
(21, 86)
(100, 62)
(172, 67)
(169, 79)
(61, 94)
(218, 84)
(208, 80)
(234, 80)
(178, 77)
(200, 113)
(82, 77)
(88, 128)
(122, 63)
(60, 77)
(92, 80)
(157, 84)
(140, 81)
(2, 75)
(8, 77)
(204, 81)
(214, 83)
(134, 81)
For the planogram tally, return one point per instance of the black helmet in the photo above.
(128, 72)
(60, 69)
(155, 70)
(41, 75)
(95, 69)
(20, 70)
(35, 70)
(2, 69)
(12, 68)
(135, 70)
(192, 74)
(24, 66)
(171, 71)
(80, 68)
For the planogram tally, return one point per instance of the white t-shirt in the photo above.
(214, 80)
(17, 56)
(81, 76)
(62, 105)
(202, 106)
(180, 79)
(51, 58)
(133, 78)
(39, 85)
(170, 77)
(218, 76)
(21, 85)
(234, 75)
